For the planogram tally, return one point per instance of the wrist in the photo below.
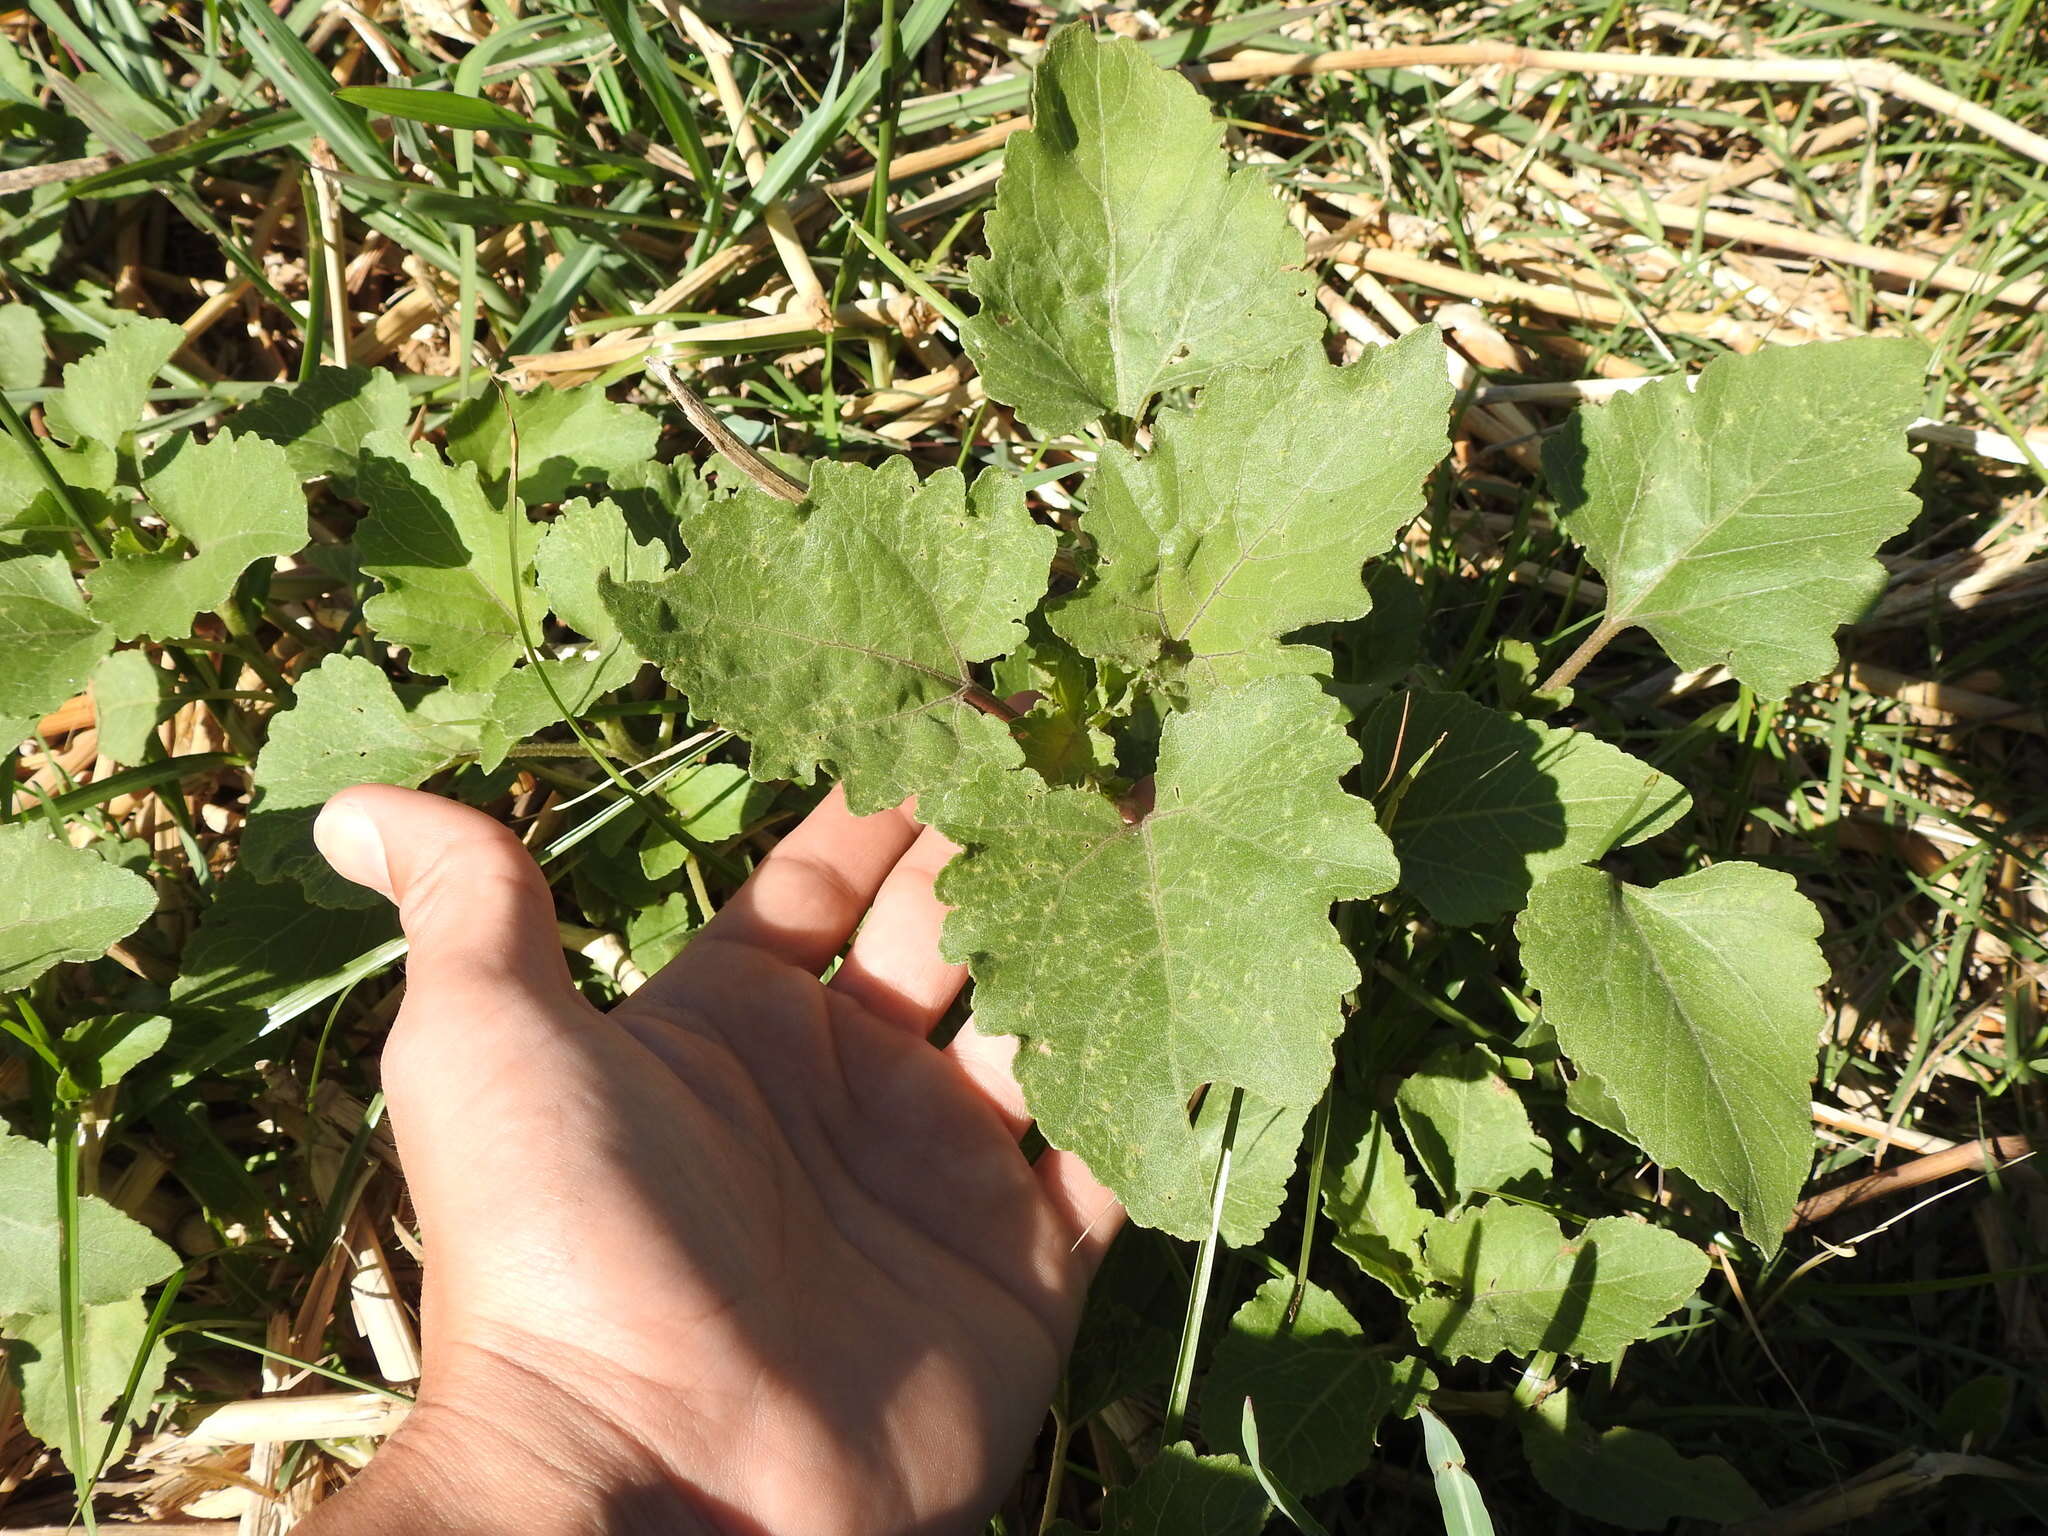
(463, 1469)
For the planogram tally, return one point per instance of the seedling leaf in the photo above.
(117, 1256)
(50, 638)
(104, 392)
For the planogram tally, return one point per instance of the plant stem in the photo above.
(1319, 1141)
(1198, 1293)
(1590, 647)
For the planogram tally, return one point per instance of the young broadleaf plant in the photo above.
(1151, 854)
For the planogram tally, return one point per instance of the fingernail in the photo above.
(348, 839)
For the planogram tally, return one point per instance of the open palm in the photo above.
(747, 1254)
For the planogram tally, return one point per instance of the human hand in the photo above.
(748, 1255)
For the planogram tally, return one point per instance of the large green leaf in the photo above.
(1253, 512)
(1628, 1477)
(127, 703)
(104, 392)
(60, 903)
(256, 941)
(1316, 1386)
(1127, 258)
(50, 639)
(1142, 961)
(457, 564)
(561, 437)
(1182, 1494)
(234, 501)
(347, 726)
(323, 421)
(117, 1256)
(842, 633)
(1693, 1004)
(1737, 522)
(1481, 805)
(1507, 1279)
(111, 1336)
(1468, 1127)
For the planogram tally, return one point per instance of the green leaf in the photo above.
(235, 500)
(1468, 1126)
(117, 1257)
(1693, 1002)
(104, 392)
(842, 633)
(257, 941)
(323, 421)
(1181, 1494)
(578, 547)
(1318, 1389)
(1481, 805)
(656, 935)
(566, 437)
(1143, 961)
(1737, 522)
(1509, 1280)
(60, 903)
(1628, 1477)
(1105, 284)
(456, 564)
(346, 727)
(1253, 512)
(713, 802)
(50, 639)
(1375, 1216)
(99, 1052)
(127, 702)
(111, 1335)
(21, 347)
(442, 109)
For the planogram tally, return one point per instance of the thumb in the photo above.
(473, 904)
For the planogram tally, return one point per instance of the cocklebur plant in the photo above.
(1167, 960)
(1189, 865)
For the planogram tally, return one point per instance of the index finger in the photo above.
(805, 899)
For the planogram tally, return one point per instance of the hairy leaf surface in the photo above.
(1104, 285)
(1317, 1388)
(456, 565)
(1737, 522)
(60, 903)
(235, 500)
(842, 633)
(117, 1256)
(50, 639)
(1253, 513)
(1481, 805)
(1142, 961)
(1509, 1280)
(1693, 1004)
